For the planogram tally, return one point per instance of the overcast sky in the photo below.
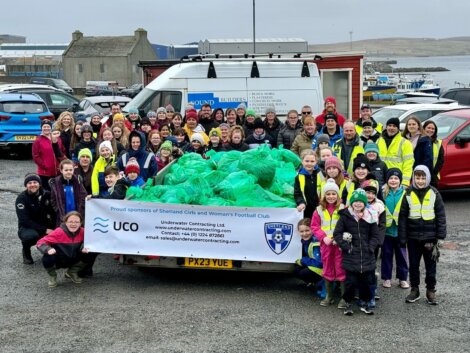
(183, 21)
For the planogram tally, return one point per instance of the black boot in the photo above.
(27, 258)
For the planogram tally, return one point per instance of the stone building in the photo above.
(110, 58)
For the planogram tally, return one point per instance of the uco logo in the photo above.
(101, 225)
(126, 226)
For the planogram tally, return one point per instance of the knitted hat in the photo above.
(367, 123)
(87, 128)
(133, 111)
(161, 110)
(169, 108)
(215, 131)
(197, 137)
(394, 172)
(192, 114)
(330, 185)
(241, 106)
(189, 106)
(334, 162)
(132, 166)
(371, 147)
(225, 125)
(85, 152)
(370, 185)
(106, 144)
(145, 121)
(361, 161)
(118, 116)
(46, 122)
(151, 114)
(270, 109)
(393, 121)
(331, 116)
(31, 177)
(258, 124)
(167, 145)
(323, 138)
(358, 195)
(250, 112)
(330, 100)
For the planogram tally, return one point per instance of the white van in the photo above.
(227, 83)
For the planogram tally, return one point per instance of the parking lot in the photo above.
(124, 309)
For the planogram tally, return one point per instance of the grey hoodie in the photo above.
(425, 170)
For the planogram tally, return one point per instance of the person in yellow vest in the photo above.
(396, 151)
(422, 223)
(309, 267)
(349, 146)
(366, 115)
(323, 224)
(322, 156)
(393, 193)
(360, 170)
(192, 126)
(305, 184)
(430, 130)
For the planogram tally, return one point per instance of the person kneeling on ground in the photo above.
(36, 216)
(63, 248)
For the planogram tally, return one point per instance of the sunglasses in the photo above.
(306, 113)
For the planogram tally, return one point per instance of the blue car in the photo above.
(20, 118)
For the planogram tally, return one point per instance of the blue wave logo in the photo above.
(100, 225)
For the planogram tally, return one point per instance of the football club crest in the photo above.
(278, 236)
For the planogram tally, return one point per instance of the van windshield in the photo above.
(140, 99)
(149, 99)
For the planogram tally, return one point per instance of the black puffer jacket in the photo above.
(359, 255)
(287, 134)
(419, 229)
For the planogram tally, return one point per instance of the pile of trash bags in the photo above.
(261, 177)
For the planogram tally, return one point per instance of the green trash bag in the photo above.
(236, 183)
(175, 194)
(289, 157)
(214, 177)
(260, 197)
(217, 201)
(286, 173)
(228, 161)
(134, 193)
(259, 163)
(196, 189)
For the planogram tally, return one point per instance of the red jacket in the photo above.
(65, 243)
(45, 158)
(320, 119)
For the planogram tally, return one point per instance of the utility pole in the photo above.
(254, 28)
(350, 39)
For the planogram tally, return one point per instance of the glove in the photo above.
(435, 253)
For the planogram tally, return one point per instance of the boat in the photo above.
(378, 84)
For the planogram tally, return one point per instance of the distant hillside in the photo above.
(401, 46)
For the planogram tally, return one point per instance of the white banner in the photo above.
(236, 233)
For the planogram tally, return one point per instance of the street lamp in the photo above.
(350, 40)
(254, 28)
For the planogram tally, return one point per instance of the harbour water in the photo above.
(459, 67)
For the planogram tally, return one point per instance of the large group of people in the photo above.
(361, 187)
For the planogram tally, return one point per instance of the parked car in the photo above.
(422, 111)
(54, 82)
(133, 90)
(424, 100)
(461, 95)
(101, 105)
(20, 118)
(57, 101)
(454, 129)
(95, 90)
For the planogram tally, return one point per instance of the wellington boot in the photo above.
(342, 303)
(329, 294)
(27, 258)
(72, 272)
(52, 283)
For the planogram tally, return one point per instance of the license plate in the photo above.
(207, 263)
(25, 138)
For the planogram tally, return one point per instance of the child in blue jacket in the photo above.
(309, 267)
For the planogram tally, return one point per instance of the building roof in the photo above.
(101, 46)
(258, 40)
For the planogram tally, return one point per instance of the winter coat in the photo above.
(358, 256)
(391, 201)
(91, 145)
(66, 137)
(423, 153)
(98, 185)
(419, 229)
(147, 163)
(208, 124)
(313, 261)
(254, 140)
(304, 142)
(47, 156)
(438, 162)
(348, 152)
(379, 207)
(287, 135)
(397, 152)
(86, 177)
(66, 244)
(320, 119)
(338, 135)
(273, 130)
(34, 211)
(374, 137)
(378, 127)
(118, 191)
(379, 169)
(58, 195)
(308, 196)
(242, 147)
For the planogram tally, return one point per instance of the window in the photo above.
(463, 97)
(80, 67)
(102, 68)
(23, 107)
(156, 99)
(465, 132)
(422, 115)
(60, 99)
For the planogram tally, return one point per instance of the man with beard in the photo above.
(35, 214)
(348, 147)
(330, 107)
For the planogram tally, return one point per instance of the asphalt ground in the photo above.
(124, 309)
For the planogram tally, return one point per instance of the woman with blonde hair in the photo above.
(121, 134)
(65, 124)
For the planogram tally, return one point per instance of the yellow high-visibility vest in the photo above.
(423, 210)
(328, 222)
(396, 212)
(436, 146)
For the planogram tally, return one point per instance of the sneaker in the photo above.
(348, 311)
(431, 297)
(404, 284)
(413, 296)
(387, 284)
(367, 309)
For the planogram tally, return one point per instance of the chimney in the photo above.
(140, 33)
(77, 35)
